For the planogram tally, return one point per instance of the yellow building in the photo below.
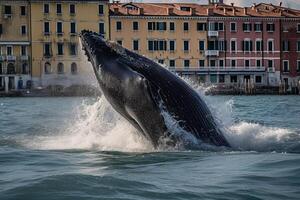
(172, 34)
(14, 45)
(56, 53)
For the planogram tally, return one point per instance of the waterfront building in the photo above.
(56, 57)
(214, 43)
(174, 35)
(15, 48)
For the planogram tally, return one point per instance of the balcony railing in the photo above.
(24, 58)
(212, 52)
(217, 69)
(213, 33)
(11, 58)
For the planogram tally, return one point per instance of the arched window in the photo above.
(60, 68)
(47, 68)
(74, 68)
(11, 68)
(25, 69)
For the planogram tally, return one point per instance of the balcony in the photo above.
(11, 58)
(213, 33)
(24, 58)
(224, 70)
(7, 16)
(212, 53)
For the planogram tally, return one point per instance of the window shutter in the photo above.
(1, 29)
(243, 45)
(250, 27)
(251, 45)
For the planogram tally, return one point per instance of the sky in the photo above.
(287, 3)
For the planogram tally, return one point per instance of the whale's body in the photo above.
(139, 89)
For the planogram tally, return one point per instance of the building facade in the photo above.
(56, 54)
(15, 49)
(214, 43)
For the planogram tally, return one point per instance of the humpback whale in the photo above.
(140, 89)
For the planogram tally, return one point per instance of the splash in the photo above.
(96, 127)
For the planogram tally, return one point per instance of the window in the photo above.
(221, 63)
(151, 26)
(47, 49)
(7, 10)
(201, 26)
(73, 27)
(186, 45)
(23, 50)
(135, 26)
(186, 63)
(161, 26)
(258, 63)
(120, 42)
(100, 9)
(222, 45)
(135, 45)
(185, 26)
(233, 27)
(25, 69)
(172, 26)
(46, 8)
(201, 63)
(233, 45)
(201, 45)
(9, 50)
(247, 27)
(23, 10)
(172, 45)
(270, 27)
(247, 45)
(221, 26)
(247, 63)
(101, 28)
(73, 49)
(171, 63)
(270, 64)
(285, 45)
(258, 45)
(212, 63)
(58, 9)
(298, 46)
(46, 28)
(221, 78)
(233, 63)
(161, 61)
(270, 45)
(258, 27)
(47, 68)
(74, 69)
(23, 30)
(59, 28)
(119, 25)
(258, 79)
(233, 78)
(157, 45)
(298, 65)
(213, 78)
(286, 66)
(60, 49)
(72, 9)
(60, 68)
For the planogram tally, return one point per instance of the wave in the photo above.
(97, 126)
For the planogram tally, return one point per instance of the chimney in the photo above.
(232, 4)
(210, 11)
(141, 11)
(245, 11)
(280, 4)
(116, 10)
(193, 11)
(170, 11)
(224, 9)
(233, 10)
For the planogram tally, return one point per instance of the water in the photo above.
(79, 148)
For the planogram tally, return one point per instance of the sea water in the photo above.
(80, 148)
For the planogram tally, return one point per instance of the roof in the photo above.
(192, 9)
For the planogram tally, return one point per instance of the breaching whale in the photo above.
(139, 89)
